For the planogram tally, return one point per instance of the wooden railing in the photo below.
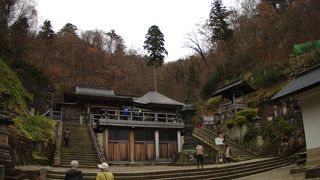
(230, 106)
(96, 144)
(121, 117)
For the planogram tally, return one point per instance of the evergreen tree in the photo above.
(19, 37)
(46, 32)
(154, 44)
(115, 43)
(218, 22)
(68, 29)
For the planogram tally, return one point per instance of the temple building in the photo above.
(305, 87)
(234, 92)
(133, 129)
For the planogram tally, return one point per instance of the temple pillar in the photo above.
(106, 143)
(131, 148)
(179, 140)
(157, 144)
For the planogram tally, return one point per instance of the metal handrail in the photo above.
(214, 134)
(96, 144)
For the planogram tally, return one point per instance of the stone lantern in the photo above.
(187, 113)
(186, 155)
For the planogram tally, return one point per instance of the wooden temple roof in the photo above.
(228, 90)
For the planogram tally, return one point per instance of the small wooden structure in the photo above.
(233, 91)
(305, 87)
(135, 129)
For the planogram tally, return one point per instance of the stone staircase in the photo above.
(226, 172)
(238, 153)
(273, 149)
(80, 147)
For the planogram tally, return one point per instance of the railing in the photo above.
(230, 106)
(56, 115)
(240, 148)
(95, 143)
(141, 116)
(121, 117)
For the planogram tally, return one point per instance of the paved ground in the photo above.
(138, 168)
(282, 173)
(276, 174)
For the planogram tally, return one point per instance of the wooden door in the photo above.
(118, 151)
(167, 150)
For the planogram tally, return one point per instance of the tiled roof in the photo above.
(153, 97)
(302, 82)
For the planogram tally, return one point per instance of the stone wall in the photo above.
(236, 132)
(21, 149)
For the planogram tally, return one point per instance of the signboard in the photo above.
(208, 120)
(218, 141)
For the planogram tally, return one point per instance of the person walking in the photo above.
(104, 173)
(227, 153)
(74, 173)
(66, 137)
(199, 155)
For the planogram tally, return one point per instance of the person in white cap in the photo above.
(104, 173)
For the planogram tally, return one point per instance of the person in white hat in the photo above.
(104, 173)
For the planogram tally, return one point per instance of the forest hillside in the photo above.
(255, 42)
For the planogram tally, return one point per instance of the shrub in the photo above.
(248, 113)
(214, 102)
(240, 120)
(9, 82)
(212, 84)
(266, 129)
(230, 123)
(37, 128)
(284, 125)
(263, 76)
(251, 133)
(236, 121)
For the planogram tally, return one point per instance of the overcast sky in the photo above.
(131, 19)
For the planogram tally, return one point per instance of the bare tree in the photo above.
(249, 7)
(194, 44)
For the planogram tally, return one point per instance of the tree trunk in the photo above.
(155, 78)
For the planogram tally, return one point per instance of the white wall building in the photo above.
(305, 87)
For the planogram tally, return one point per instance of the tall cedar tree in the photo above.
(154, 44)
(69, 28)
(46, 32)
(218, 22)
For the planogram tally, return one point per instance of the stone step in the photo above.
(84, 166)
(80, 148)
(69, 154)
(227, 172)
(61, 176)
(77, 153)
(81, 161)
(201, 173)
(83, 149)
